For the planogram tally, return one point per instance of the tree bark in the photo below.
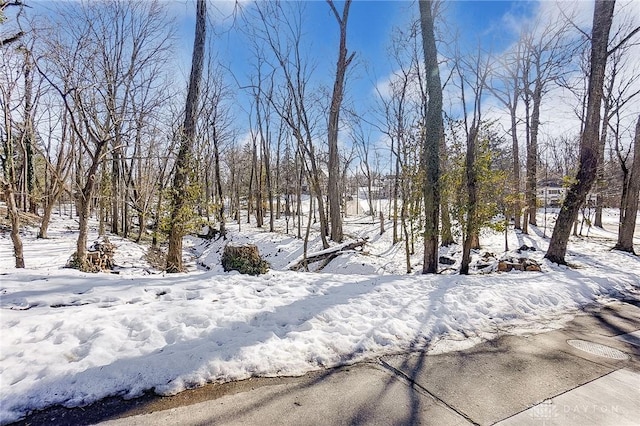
(600, 184)
(396, 191)
(174, 254)
(577, 193)
(29, 134)
(431, 148)
(516, 165)
(54, 185)
(335, 211)
(447, 235)
(630, 208)
(86, 198)
(218, 187)
(15, 223)
(472, 203)
(532, 154)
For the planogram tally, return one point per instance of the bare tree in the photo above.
(181, 178)
(344, 59)
(281, 35)
(8, 178)
(263, 90)
(402, 108)
(57, 153)
(508, 92)
(219, 129)
(85, 62)
(589, 140)
(8, 89)
(545, 54)
(620, 88)
(69, 64)
(475, 79)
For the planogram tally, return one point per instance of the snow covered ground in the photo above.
(72, 338)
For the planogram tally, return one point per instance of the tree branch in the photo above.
(623, 41)
(11, 39)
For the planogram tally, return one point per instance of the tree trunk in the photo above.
(335, 214)
(174, 254)
(447, 235)
(299, 197)
(218, 188)
(30, 135)
(600, 185)
(50, 201)
(516, 168)
(269, 182)
(532, 155)
(396, 190)
(431, 148)
(277, 182)
(102, 204)
(15, 223)
(84, 213)
(630, 209)
(577, 194)
(115, 191)
(44, 223)
(259, 191)
(405, 230)
(529, 177)
(472, 190)
(265, 139)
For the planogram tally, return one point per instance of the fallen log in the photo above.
(325, 255)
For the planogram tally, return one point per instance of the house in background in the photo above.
(551, 193)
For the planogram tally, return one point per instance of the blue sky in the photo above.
(494, 23)
(369, 35)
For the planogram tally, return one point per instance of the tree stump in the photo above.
(244, 259)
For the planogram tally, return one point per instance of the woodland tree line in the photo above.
(91, 117)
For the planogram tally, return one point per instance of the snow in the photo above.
(72, 338)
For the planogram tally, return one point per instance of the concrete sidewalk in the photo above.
(586, 373)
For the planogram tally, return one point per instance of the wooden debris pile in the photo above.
(100, 254)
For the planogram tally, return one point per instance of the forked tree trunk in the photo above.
(577, 194)
(49, 203)
(84, 213)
